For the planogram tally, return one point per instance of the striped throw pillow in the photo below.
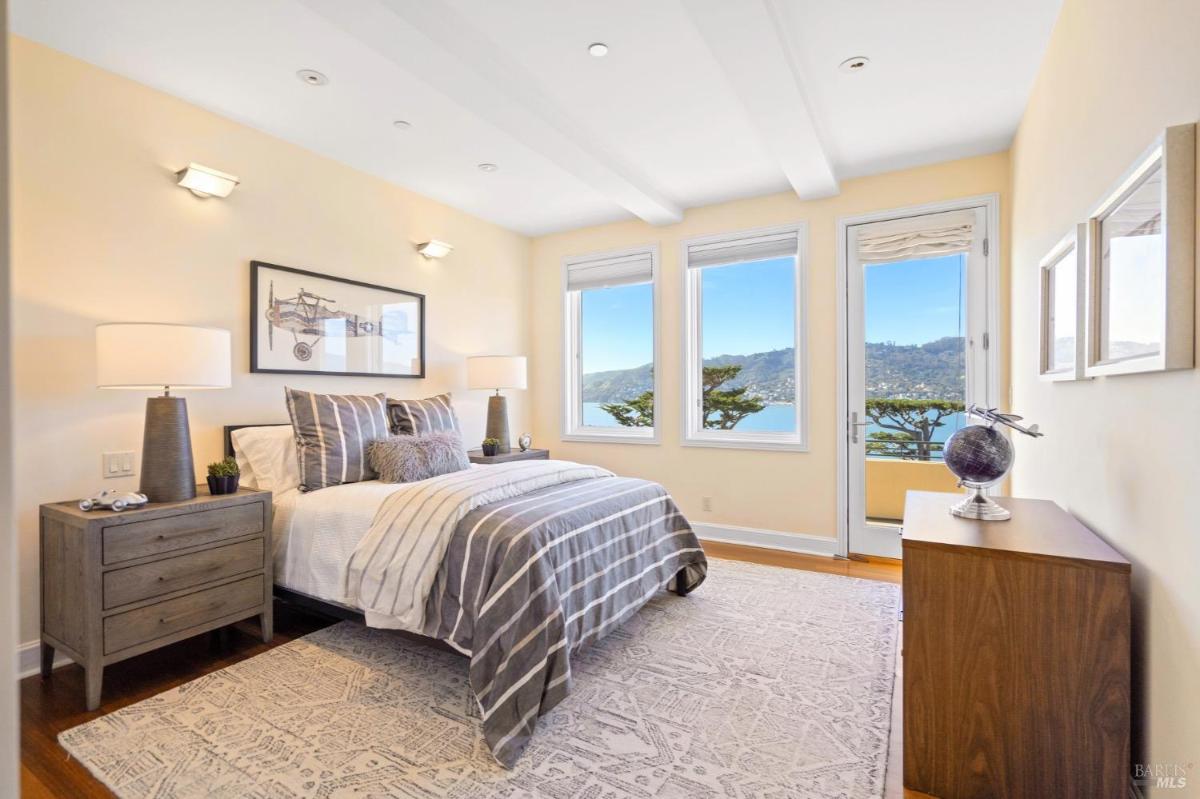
(333, 433)
(413, 417)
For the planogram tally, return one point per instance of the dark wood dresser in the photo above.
(115, 585)
(1016, 654)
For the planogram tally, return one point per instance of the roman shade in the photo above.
(736, 250)
(927, 236)
(608, 271)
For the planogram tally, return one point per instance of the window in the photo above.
(611, 391)
(744, 356)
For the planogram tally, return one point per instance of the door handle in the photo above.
(854, 426)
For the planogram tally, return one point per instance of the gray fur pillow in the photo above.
(406, 459)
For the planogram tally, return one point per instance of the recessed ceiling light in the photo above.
(488, 167)
(598, 49)
(402, 124)
(312, 77)
(856, 64)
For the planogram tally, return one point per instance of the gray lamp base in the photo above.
(497, 421)
(168, 474)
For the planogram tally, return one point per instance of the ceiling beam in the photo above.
(750, 43)
(441, 48)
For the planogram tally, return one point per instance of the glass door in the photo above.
(918, 354)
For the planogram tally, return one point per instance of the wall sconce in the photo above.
(434, 249)
(205, 182)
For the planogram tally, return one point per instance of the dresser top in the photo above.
(202, 501)
(1038, 528)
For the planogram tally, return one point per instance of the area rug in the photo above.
(763, 683)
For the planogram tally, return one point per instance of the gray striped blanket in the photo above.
(529, 579)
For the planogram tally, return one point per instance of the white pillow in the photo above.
(268, 456)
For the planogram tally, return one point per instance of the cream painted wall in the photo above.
(101, 233)
(1122, 453)
(780, 491)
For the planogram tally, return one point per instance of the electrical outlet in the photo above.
(706, 503)
(116, 464)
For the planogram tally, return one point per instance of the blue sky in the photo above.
(912, 302)
(750, 308)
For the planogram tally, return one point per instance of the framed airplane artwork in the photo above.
(308, 323)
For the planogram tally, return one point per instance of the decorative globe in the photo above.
(978, 455)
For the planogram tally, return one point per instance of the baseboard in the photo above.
(766, 539)
(29, 659)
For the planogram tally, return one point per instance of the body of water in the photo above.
(776, 419)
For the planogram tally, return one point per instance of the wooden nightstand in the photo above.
(115, 585)
(477, 456)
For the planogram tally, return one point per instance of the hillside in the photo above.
(927, 371)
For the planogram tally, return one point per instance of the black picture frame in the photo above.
(256, 313)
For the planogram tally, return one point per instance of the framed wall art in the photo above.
(1063, 281)
(1142, 263)
(308, 323)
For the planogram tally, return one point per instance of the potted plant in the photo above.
(223, 477)
(491, 446)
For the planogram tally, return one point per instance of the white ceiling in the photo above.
(698, 101)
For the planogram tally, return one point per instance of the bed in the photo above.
(515, 566)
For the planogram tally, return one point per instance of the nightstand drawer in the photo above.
(123, 586)
(139, 539)
(156, 621)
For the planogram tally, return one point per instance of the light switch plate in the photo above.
(116, 464)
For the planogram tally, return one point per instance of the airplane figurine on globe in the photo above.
(980, 456)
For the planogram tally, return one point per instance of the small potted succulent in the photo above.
(491, 446)
(223, 477)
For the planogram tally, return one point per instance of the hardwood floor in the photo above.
(50, 706)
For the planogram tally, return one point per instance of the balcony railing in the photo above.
(911, 450)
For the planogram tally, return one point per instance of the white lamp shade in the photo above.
(496, 371)
(150, 356)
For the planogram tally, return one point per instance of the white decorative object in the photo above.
(1062, 332)
(108, 499)
(525, 441)
(1142, 263)
(434, 249)
(205, 182)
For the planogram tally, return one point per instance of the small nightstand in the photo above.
(115, 585)
(477, 456)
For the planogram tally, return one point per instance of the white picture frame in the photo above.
(1147, 324)
(1064, 266)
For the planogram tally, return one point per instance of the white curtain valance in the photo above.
(739, 250)
(920, 237)
(607, 272)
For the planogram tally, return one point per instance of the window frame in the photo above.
(693, 434)
(573, 428)
(1069, 253)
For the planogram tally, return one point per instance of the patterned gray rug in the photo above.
(763, 683)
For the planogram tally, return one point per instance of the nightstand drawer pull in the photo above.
(201, 531)
(237, 599)
(140, 539)
(133, 583)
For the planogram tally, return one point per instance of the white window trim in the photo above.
(692, 435)
(573, 428)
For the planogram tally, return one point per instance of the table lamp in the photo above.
(497, 372)
(149, 356)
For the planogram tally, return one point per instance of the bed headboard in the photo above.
(229, 428)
